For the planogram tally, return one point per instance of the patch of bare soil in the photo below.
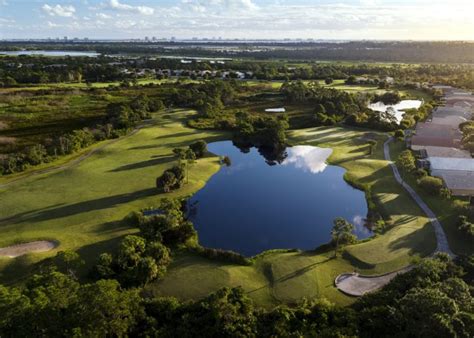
(6, 140)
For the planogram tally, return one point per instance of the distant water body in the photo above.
(396, 109)
(50, 53)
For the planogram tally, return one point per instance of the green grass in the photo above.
(83, 85)
(289, 277)
(443, 208)
(81, 207)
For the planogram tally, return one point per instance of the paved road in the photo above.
(442, 241)
(355, 285)
(72, 163)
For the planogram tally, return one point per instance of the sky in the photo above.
(251, 19)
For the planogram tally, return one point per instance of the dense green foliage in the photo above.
(406, 161)
(120, 117)
(432, 300)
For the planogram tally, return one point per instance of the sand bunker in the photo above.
(357, 285)
(5, 140)
(25, 248)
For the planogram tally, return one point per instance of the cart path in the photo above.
(441, 239)
(356, 285)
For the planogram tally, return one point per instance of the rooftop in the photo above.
(456, 164)
(446, 152)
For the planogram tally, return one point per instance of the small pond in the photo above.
(397, 109)
(256, 205)
(50, 53)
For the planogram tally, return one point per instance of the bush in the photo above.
(432, 185)
(465, 226)
(199, 148)
(399, 134)
(222, 255)
(171, 179)
(406, 161)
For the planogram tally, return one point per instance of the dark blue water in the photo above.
(252, 206)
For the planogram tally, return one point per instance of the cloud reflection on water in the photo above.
(308, 158)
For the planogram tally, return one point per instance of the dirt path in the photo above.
(72, 163)
(25, 248)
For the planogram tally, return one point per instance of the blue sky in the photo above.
(351, 19)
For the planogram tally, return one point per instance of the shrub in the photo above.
(465, 226)
(431, 185)
(399, 134)
(171, 179)
(222, 255)
(199, 148)
(406, 161)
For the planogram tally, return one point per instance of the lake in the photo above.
(253, 206)
(50, 53)
(398, 109)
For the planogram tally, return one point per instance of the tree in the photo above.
(320, 109)
(342, 233)
(406, 161)
(328, 80)
(104, 309)
(372, 146)
(68, 262)
(190, 157)
(199, 148)
(432, 185)
(227, 161)
(171, 179)
(399, 134)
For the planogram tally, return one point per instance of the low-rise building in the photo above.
(430, 151)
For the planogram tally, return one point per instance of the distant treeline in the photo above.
(394, 51)
(20, 70)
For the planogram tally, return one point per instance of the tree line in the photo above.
(120, 117)
(431, 300)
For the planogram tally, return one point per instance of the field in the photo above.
(80, 207)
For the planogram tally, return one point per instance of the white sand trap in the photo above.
(25, 248)
(354, 284)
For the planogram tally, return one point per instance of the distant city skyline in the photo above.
(238, 19)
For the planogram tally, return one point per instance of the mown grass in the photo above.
(81, 207)
(288, 277)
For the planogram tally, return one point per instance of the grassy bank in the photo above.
(287, 277)
(443, 208)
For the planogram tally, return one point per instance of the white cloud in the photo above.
(116, 5)
(4, 20)
(103, 16)
(52, 25)
(58, 10)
